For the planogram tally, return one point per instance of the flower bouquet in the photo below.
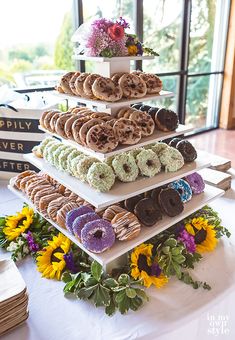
(106, 38)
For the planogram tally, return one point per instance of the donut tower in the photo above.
(117, 254)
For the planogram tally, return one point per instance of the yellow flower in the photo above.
(204, 234)
(18, 224)
(132, 50)
(50, 260)
(142, 263)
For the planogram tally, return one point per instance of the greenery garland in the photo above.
(168, 254)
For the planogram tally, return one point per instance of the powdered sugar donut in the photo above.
(98, 236)
(153, 83)
(106, 89)
(132, 86)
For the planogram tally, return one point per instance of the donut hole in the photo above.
(98, 234)
(103, 138)
(172, 202)
(133, 86)
(150, 162)
(126, 168)
(101, 176)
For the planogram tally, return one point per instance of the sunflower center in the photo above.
(20, 222)
(53, 257)
(200, 236)
(143, 264)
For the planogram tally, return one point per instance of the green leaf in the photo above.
(85, 293)
(124, 305)
(101, 296)
(124, 279)
(131, 293)
(118, 288)
(120, 296)
(66, 277)
(141, 294)
(177, 269)
(69, 287)
(96, 270)
(136, 303)
(176, 251)
(166, 250)
(2, 221)
(171, 242)
(91, 281)
(110, 309)
(110, 283)
(179, 258)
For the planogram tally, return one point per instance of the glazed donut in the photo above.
(80, 222)
(87, 85)
(127, 131)
(101, 138)
(45, 200)
(126, 226)
(144, 121)
(78, 85)
(101, 177)
(187, 150)
(105, 89)
(21, 176)
(171, 159)
(183, 189)
(196, 183)
(125, 167)
(132, 86)
(170, 202)
(112, 211)
(64, 82)
(166, 120)
(54, 206)
(98, 236)
(153, 83)
(148, 163)
(147, 212)
(72, 82)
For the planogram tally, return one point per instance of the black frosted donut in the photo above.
(174, 142)
(147, 212)
(131, 202)
(166, 120)
(170, 202)
(137, 106)
(144, 108)
(187, 150)
(152, 111)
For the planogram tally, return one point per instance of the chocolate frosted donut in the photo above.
(170, 202)
(166, 120)
(152, 111)
(131, 202)
(187, 150)
(137, 106)
(174, 142)
(144, 108)
(147, 212)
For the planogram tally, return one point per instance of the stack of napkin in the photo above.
(13, 297)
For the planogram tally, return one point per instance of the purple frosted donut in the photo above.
(196, 183)
(80, 221)
(98, 236)
(72, 214)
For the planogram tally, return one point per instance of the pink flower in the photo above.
(116, 32)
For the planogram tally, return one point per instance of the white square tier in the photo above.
(113, 59)
(120, 191)
(121, 248)
(156, 136)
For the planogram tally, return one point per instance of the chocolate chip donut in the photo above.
(101, 138)
(170, 202)
(153, 83)
(79, 84)
(87, 85)
(64, 82)
(72, 82)
(116, 76)
(105, 89)
(144, 121)
(86, 127)
(127, 131)
(187, 150)
(76, 126)
(132, 86)
(147, 212)
(60, 124)
(166, 120)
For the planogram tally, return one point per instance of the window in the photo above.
(35, 46)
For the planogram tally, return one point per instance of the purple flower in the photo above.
(178, 228)
(187, 240)
(33, 246)
(70, 265)
(102, 24)
(123, 23)
(155, 270)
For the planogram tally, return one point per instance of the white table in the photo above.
(174, 312)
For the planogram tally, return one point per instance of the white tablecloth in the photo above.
(174, 312)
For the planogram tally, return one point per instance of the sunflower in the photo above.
(18, 224)
(50, 260)
(204, 234)
(144, 268)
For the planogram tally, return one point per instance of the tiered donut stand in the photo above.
(121, 191)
